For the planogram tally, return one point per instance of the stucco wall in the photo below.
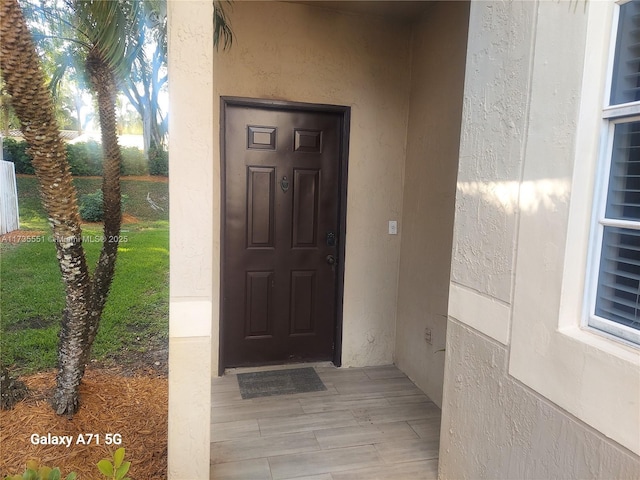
(193, 284)
(529, 393)
(495, 106)
(437, 78)
(301, 53)
(494, 428)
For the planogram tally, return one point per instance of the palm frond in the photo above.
(221, 25)
(111, 28)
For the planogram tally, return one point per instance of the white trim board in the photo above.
(484, 313)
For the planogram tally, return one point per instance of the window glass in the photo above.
(623, 198)
(625, 86)
(618, 295)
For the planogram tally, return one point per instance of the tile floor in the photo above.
(371, 423)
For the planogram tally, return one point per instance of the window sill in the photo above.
(604, 342)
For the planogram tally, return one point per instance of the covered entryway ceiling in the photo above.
(399, 10)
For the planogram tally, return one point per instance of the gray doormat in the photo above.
(279, 382)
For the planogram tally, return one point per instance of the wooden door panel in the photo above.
(306, 189)
(260, 207)
(309, 141)
(281, 202)
(261, 138)
(303, 298)
(259, 303)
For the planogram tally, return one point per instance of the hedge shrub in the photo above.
(16, 152)
(91, 208)
(85, 158)
(133, 162)
(158, 162)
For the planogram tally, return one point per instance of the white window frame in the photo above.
(612, 115)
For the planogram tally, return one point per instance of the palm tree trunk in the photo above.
(85, 297)
(33, 105)
(72, 360)
(103, 82)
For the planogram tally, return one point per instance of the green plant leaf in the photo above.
(55, 474)
(118, 457)
(122, 471)
(30, 475)
(44, 473)
(72, 476)
(105, 467)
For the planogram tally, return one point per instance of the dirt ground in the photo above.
(125, 411)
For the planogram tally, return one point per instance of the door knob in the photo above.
(331, 260)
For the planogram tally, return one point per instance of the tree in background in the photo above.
(149, 75)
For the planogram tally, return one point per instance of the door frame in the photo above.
(345, 114)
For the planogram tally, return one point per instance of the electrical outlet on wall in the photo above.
(427, 336)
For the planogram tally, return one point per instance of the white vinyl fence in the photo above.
(9, 220)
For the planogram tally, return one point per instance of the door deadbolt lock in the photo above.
(331, 239)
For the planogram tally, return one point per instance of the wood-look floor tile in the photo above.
(408, 450)
(385, 371)
(305, 423)
(406, 399)
(364, 435)
(257, 469)
(227, 383)
(262, 447)
(422, 470)
(386, 386)
(340, 402)
(322, 476)
(402, 413)
(371, 423)
(221, 432)
(427, 428)
(225, 398)
(246, 410)
(325, 461)
(334, 375)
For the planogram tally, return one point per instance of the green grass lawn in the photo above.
(135, 319)
(32, 216)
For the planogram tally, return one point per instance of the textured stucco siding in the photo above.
(437, 79)
(495, 428)
(495, 107)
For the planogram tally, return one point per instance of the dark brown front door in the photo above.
(281, 234)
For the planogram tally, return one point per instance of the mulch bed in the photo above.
(134, 407)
